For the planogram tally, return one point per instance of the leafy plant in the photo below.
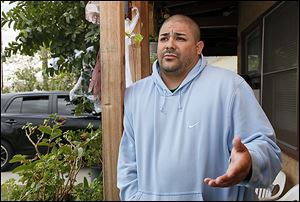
(153, 38)
(51, 175)
(83, 104)
(59, 27)
(153, 57)
(59, 32)
(89, 192)
(26, 80)
(11, 190)
(93, 152)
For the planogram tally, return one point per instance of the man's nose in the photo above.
(170, 43)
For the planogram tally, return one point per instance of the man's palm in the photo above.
(238, 169)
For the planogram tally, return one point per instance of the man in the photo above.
(193, 131)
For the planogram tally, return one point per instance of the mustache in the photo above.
(170, 51)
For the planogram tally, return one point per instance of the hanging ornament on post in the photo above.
(130, 38)
(92, 12)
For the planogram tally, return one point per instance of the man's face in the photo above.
(177, 50)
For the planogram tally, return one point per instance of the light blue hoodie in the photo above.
(172, 141)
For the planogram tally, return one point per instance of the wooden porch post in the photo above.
(112, 33)
(139, 53)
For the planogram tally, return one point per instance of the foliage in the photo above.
(93, 154)
(83, 104)
(89, 192)
(153, 38)
(153, 57)
(5, 89)
(80, 95)
(10, 190)
(26, 80)
(57, 26)
(21, 73)
(51, 175)
(64, 81)
(93, 191)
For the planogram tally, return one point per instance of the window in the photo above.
(254, 57)
(15, 106)
(35, 104)
(253, 50)
(64, 106)
(280, 69)
(270, 58)
(252, 63)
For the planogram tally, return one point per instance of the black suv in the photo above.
(19, 108)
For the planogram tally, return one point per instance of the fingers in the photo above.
(234, 175)
(238, 145)
(211, 182)
(221, 181)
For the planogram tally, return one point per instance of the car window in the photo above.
(15, 106)
(4, 98)
(64, 107)
(35, 104)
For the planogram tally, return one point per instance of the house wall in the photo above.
(249, 11)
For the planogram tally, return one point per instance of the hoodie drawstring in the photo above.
(164, 101)
(179, 106)
(162, 107)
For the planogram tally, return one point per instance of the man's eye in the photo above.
(180, 39)
(163, 39)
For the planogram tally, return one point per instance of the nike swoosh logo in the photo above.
(192, 126)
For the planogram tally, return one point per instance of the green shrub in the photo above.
(51, 176)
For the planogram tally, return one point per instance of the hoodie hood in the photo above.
(161, 86)
(164, 91)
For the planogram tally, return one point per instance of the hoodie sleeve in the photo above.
(249, 121)
(127, 181)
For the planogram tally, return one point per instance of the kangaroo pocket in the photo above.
(170, 197)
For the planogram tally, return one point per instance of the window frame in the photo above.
(35, 97)
(294, 153)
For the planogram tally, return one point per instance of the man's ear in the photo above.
(200, 46)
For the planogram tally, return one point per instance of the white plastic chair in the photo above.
(291, 195)
(265, 194)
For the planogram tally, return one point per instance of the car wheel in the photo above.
(6, 155)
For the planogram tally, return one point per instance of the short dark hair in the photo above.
(186, 19)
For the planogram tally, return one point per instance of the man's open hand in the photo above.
(238, 169)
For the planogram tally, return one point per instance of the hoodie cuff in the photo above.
(253, 174)
(247, 179)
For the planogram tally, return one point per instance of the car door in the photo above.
(64, 108)
(22, 109)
